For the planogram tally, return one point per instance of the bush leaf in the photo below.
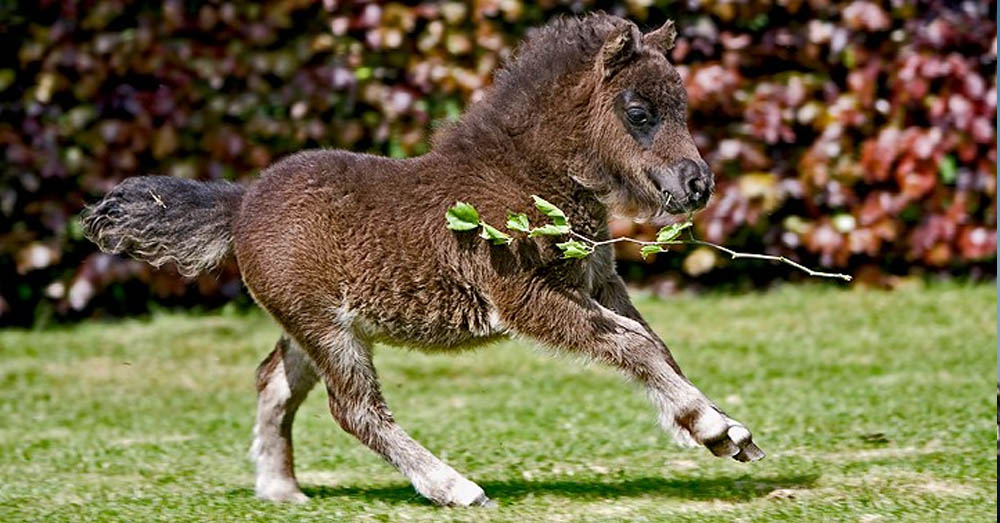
(554, 213)
(947, 169)
(462, 217)
(671, 232)
(518, 222)
(549, 230)
(574, 249)
(494, 235)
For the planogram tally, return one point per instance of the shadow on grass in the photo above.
(724, 488)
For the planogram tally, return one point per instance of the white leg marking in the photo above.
(443, 485)
(272, 447)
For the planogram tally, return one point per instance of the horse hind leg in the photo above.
(344, 361)
(284, 379)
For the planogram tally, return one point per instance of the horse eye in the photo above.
(637, 116)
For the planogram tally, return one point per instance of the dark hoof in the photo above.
(749, 452)
(723, 447)
(736, 443)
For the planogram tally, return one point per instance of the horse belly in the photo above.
(440, 322)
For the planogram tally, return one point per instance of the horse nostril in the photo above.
(687, 183)
(696, 186)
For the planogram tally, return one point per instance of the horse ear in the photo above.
(619, 48)
(662, 38)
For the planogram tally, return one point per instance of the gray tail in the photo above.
(161, 219)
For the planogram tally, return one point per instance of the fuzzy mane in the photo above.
(564, 45)
(548, 55)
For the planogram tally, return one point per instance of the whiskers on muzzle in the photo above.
(686, 186)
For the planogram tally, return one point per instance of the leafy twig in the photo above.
(464, 217)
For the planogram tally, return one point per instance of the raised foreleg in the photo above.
(608, 329)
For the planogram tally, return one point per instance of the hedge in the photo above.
(852, 135)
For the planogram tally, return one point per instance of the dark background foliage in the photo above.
(853, 135)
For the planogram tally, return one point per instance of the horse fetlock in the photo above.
(279, 489)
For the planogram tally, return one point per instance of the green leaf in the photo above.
(553, 212)
(947, 169)
(575, 249)
(758, 22)
(462, 217)
(518, 222)
(672, 231)
(549, 230)
(650, 249)
(494, 235)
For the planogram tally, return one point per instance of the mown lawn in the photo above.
(872, 406)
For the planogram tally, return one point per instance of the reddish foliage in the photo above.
(853, 134)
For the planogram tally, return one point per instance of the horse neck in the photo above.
(528, 146)
(506, 177)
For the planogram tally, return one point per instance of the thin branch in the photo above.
(733, 254)
(780, 259)
(595, 243)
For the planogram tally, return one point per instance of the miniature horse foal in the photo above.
(590, 115)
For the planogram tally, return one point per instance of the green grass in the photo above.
(871, 406)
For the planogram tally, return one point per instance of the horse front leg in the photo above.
(614, 333)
